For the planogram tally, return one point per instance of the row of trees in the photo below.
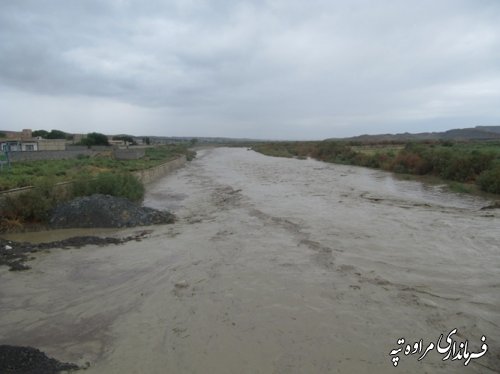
(52, 134)
(93, 138)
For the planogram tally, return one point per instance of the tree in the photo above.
(53, 134)
(56, 134)
(41, 133)
(95, 138)
(2, 135)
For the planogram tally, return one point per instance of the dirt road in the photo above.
(274, 266)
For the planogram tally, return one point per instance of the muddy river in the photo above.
(274, 266)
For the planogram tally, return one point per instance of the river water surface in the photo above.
(274, 266)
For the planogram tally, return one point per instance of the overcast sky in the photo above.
(282, 69)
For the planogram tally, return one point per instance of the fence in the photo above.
(48, 155)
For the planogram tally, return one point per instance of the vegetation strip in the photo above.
(465, 163)
(33, 173)
(98, 175)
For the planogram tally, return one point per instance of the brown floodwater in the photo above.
(274, 266)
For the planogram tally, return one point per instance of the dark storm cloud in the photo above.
(256, 68)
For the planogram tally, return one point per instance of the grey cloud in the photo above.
(303, 67)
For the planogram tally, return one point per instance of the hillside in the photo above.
(472, 133)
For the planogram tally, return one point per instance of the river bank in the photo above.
(274, 265)
(472, 167)
(36, 208)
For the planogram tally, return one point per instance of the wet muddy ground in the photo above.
(274, 266)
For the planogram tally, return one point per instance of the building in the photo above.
(51, 144)
(118, 143)
(77, 138)
(26, 134)
(11, 134)
(18, 145)
(32, 144)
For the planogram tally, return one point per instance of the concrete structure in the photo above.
(15, 145)
(29, 145)
(129, 154)
(49, 155)
(152, 174)
(77, 138)
(32, 144)
(117, 143)
(26, 134)
(24, 142)
(11, 134)
(51, 144)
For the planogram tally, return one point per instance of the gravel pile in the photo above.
(106, 211)
(28, 360)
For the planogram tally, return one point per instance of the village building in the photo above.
(24, 142)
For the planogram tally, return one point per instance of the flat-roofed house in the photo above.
(12, 145)
(24, 142)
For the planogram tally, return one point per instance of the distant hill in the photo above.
(472, 133)
(199, 140)
(495, 129)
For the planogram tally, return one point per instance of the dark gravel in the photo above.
(106, 211)
(28, 360)
(15, 254)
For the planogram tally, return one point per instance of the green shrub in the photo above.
(409, 161)
(489, 180)
(459, 187)
(31, 206)
(123, 185)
